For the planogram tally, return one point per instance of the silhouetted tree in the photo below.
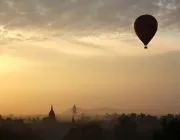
(125, 129)
(1, 117)
(91, 131)
(74, 134)
(6, 134)
(170, 130)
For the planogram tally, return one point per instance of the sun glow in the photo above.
(9, 64)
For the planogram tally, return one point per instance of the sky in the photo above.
(85, 52)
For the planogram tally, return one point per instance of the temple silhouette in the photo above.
(52, 115)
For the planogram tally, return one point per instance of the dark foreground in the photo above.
(110, 127)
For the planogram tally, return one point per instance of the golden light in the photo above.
(9, 64)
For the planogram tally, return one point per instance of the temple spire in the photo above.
(74, 114)
(52, 115)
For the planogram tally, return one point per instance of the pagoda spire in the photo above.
(52, 115)
(74, 114)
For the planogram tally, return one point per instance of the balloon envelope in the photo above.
(146, 27)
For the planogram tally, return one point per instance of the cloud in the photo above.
(83, 14)
(71, 21)
(52, 51)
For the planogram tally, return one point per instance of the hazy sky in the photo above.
(85, 52)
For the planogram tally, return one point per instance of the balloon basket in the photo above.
(145, 47)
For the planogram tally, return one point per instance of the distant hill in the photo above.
(90, 112)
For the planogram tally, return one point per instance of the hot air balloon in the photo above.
(146, 27)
